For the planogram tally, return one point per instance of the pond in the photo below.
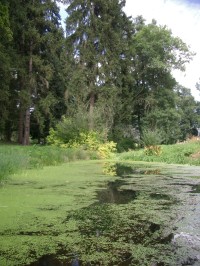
(147, 214)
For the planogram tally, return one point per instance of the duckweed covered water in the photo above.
(196, 189)
(140, 214)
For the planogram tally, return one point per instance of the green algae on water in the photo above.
(76, 211)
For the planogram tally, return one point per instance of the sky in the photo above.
(182, 17)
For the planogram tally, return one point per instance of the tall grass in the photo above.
(11, 159)
(14, 158)
(182, 153)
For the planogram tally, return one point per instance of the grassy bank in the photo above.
(14, 157)
(181, 153)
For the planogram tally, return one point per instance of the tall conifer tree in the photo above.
(95, 45)
(37, 42)
(5, 58)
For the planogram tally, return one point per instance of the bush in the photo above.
(91, 141)
(105, 150)
(126, 144)
(65, 131)
(153, 150)
(151, 137)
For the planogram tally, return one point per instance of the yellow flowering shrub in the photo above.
(105, 150)
(153, 150)
(90, 141)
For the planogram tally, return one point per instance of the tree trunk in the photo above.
(91, 111)
(21, 127)
(26, 136)
(8, 131)
(26, 128)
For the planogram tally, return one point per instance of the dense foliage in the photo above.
(107, 73)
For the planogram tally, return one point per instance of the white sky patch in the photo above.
(183, 18)
(63, 14)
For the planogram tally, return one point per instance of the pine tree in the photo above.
(5, 58)
(37, 44)
(95, 44)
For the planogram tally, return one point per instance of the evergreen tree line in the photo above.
(106, 71)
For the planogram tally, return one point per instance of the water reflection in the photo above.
(113, 194)
(126, 170)
(160, 196)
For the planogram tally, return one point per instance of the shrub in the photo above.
(153, 150)
(53, 138)
(151, 137)
(125, 144)
(105, 150)
(91, 141)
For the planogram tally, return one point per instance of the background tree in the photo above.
(109, 72)
(188, 110)
(5, 61)
(37, 41)
(155, 53)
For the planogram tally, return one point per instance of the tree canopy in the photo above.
(110, 71)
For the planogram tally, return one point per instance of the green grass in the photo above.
(171, 154)
(14, 158)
